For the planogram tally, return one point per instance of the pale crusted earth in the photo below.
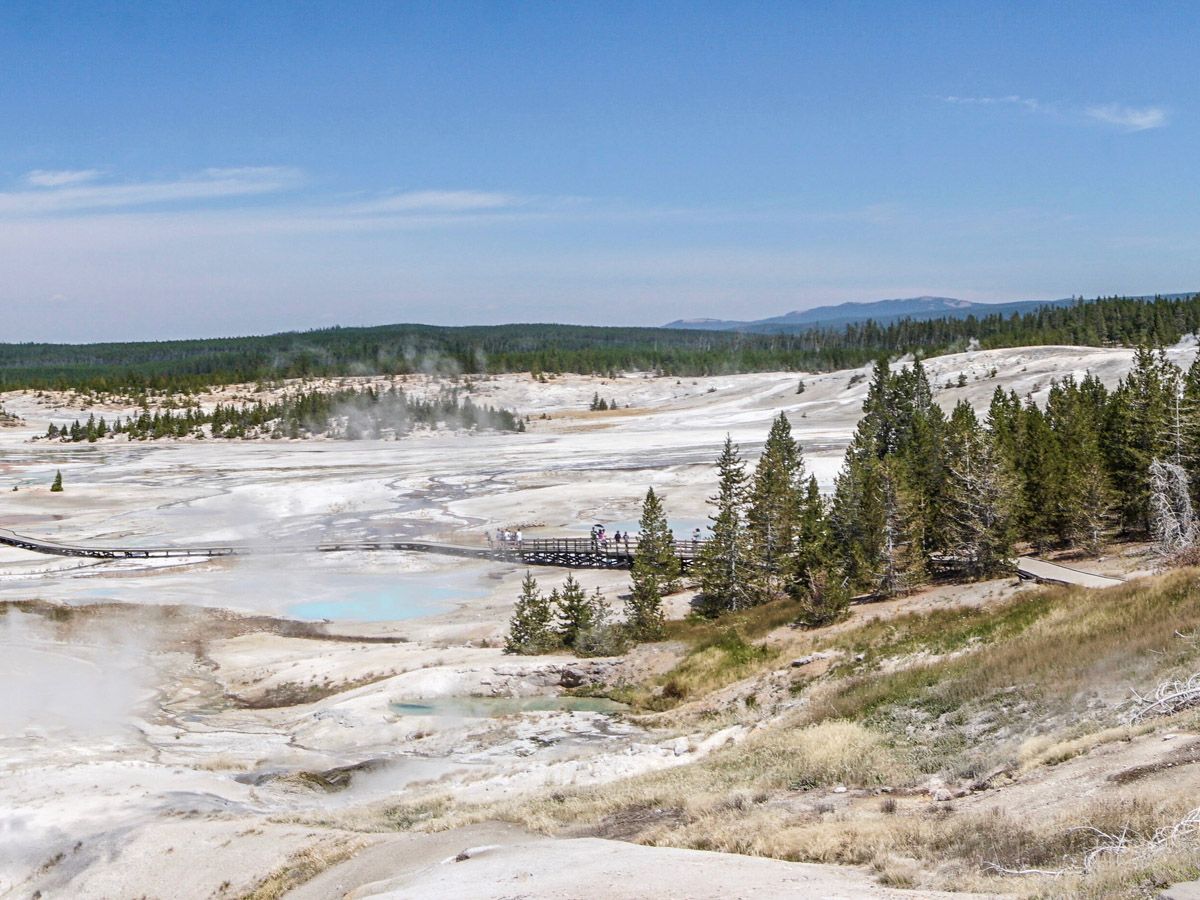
(156, 751)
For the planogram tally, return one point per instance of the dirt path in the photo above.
(492, 862)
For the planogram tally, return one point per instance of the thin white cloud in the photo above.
(211, 184)
(1030, 103)
(443, 202)
(1130, 118)
(51, 178)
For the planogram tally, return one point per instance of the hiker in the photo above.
(518, 537)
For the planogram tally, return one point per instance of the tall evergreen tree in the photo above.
(979, 497)
(775, 500)
(57, 486)
(1190, 414)
(656, 551)
(919, 424)
(1081, 494)
(813, 550)
(1039, 462)
(723, 568)
(1137, 431)
(901, 563)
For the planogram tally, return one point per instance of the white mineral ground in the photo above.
(127, 766)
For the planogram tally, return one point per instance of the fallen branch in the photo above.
(1168, 698)
(1114, 844)
(1003, 870)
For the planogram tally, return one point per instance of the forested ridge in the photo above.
(403, 349)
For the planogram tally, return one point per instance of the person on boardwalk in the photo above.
(518, 537)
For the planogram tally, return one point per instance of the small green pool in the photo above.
(490, 707)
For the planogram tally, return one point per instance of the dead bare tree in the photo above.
(1172, 520)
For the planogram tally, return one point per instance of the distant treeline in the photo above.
(406, 349)
(347, 414)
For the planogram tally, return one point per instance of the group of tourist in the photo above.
(601, 540)
(506, 539)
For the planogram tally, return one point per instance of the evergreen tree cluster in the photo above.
(348, 414)
(922, 493)
(403, 349)
(567, 618)
(599, 404)
(769, 535)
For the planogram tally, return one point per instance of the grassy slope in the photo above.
(957, 694)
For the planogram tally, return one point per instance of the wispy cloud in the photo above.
(76, 195)
(1127, 118)
(51, 178)
(442, 202)
(1130, 118)
(1029, 103)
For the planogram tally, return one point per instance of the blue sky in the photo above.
(177, 169)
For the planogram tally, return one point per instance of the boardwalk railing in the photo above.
(586, 553)
(570, 552)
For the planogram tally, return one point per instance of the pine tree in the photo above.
(576, 612)
(1040, 464)
(644, 617)
(825, 599)
(656, 554)
(1190, 426)
(600, 638)
(1081, 497)
(530, 629)
(901, 564)
(723, 567)
(979, 495)
(773, 510)
(857, 515)
(813, 550)
(57, 486)
(919, 427)
(1137, 430)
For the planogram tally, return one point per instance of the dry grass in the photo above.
(719, 787)
(1053, 665)
(1032, 682)
(1049, 750)
(301, 867)
(222, 763)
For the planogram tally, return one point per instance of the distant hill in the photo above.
(881, 311)
(813, 340)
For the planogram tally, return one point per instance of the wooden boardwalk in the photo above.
(1034, 569)
(565, 552)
